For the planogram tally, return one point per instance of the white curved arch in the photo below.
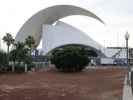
(64, 34)
(48, 16)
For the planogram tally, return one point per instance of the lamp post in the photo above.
(127, 36)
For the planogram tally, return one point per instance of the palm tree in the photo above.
(8, 39)
(30, 42)
(19, 54)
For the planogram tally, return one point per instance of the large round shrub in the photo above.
(70, 58)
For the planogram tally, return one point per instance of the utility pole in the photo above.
(127, 36)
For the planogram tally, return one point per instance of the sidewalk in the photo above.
(127, 93)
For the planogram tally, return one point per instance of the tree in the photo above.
(70, 58)
(19, 54)
(13, 56)
(30, 42)
(8, 39)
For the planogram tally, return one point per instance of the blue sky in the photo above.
(117, 14)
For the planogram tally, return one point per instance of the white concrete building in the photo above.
(63, 34)
(41, 27)
(33, 26)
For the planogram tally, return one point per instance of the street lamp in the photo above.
(127, 36)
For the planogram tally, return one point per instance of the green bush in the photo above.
(21, 68)
(3, 61)
(70, 58)
(30, 66)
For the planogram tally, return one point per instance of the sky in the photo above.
(117, 14)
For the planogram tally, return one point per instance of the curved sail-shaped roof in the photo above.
(33, 26)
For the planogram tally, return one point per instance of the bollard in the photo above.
(13, 68)
(25, 68)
